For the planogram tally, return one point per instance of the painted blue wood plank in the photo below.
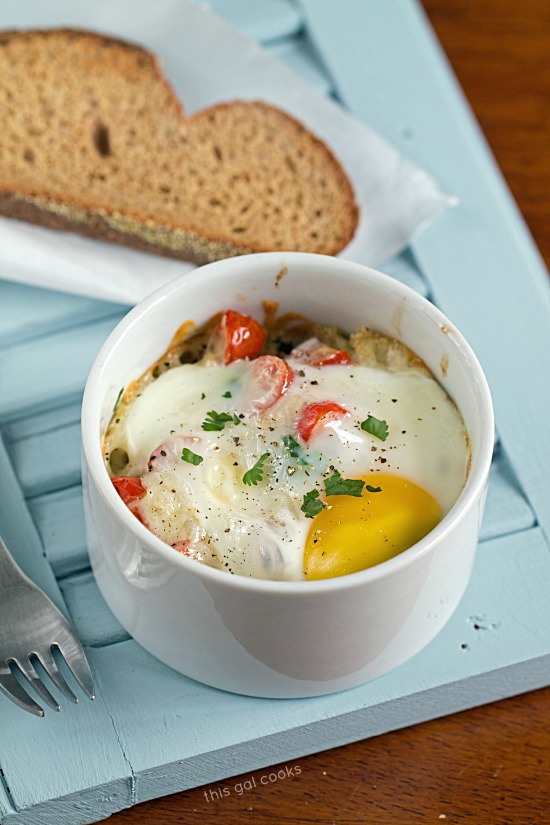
(42, 422)
(28, 312)
(507, 509)
(47, 461)
(297, 54)
(6, 808)
(475, 251)
(27, 386)
(93, 621)
(265, 21)
(66, 768)
(214, 734)
(404, 268)
(59, 518)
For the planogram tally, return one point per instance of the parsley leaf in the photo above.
(227, 394)
(292, 446)
(312, 505)
(119, 396)
(374, 489)
(375, 427)
(256, 473)
(215, 420)
(191, 457)
(295, 449)
(338, 486)
(236, 419)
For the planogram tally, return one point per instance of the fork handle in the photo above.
(10, 572)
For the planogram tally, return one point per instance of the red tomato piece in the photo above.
(243, 336)
(317, 354)
(315, 413)
(269, 379)
(337, 356)
(129, 488)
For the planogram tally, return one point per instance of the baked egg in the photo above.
(306, 464)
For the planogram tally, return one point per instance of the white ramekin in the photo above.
(282, 639)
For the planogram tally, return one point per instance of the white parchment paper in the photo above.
(208, 61)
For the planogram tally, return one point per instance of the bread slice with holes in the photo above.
(94, 140)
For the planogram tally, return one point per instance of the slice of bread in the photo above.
(94, 140)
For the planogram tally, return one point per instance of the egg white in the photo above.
(260, 530)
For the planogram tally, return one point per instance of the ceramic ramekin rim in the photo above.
(91, 439)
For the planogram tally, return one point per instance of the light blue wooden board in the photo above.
(25, 383)
(479, 258)
(44, 421)
(507, 510)
(404, 268)
(265, 21)
(64, 769)
(6, 808)
(297, 55)
(49, 461)
(59, 518)
(28, 312)
(93, 621)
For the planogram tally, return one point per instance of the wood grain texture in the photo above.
(491, 765)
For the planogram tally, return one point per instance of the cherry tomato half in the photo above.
(243, 336)
(269, 378)
(315, 413)
(337, 356)
(129, 488)
(317, 354)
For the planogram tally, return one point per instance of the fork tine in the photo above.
(27, 668)
(48, 663)
(73, 654)
(13, 690)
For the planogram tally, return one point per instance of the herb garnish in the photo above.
(292, 445)
(376, 427)
(373, 489)
(312, 505)
(256, 473)
(217, 421)
(338, 486)
(119, 396)
(295, 449)
(191, 457)
(227, 394)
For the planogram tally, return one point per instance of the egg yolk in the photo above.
(353, 533)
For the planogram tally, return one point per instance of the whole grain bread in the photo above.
(94, 140)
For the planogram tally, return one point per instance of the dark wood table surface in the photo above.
(490, 765)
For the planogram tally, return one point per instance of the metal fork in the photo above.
(31, 628)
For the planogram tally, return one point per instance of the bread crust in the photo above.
(187, 246)
(138, 228)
